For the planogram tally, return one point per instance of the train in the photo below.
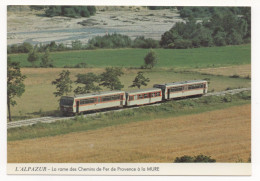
(72, 105)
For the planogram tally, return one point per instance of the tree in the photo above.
(88, 80)
(63, 84)
(15, 86)
(76, 45)
(140, 80)
(110, 78)
(197, 159)
(184, 159)
(33, 57)
(46, 60)
(150, 59)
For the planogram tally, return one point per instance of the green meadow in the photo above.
(173, 65)
(172, 58)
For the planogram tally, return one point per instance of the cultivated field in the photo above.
(239, 70)
(222, 134)
(170, 58)
(38, 99)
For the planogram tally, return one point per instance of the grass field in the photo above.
(170, 109)
(239, 70)
(222, 134)
(175, 58)
(38, 99)
(214, 126)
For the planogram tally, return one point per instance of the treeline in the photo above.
(207, 12)
(160, 7)
(122, 41)
(219, 30)
(68, 11)
(107, 41)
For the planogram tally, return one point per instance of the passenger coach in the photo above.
(143, 96)
(91, 101)
(183, 89)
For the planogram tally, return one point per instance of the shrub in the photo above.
(197, 159)
(234, 76)
(80, 65)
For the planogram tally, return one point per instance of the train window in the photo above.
(116, 97)
(176, 89)
(135, 97)
(131, 98)
(121, 97)
(106, 98)
(99, 99)
(65, 101)
(145, 95)
(157, 93)
(153, 95)
(195, 86)
(88, 101)
(140, 96)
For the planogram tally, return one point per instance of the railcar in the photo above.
(143, 96)
(96, 101)
(92, 101)
(183, 89)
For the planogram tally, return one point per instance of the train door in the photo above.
(163, 93)
(204, 88)
(77, 106)
(168, 93)
(121, 99)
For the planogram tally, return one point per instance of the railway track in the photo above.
(51, 119)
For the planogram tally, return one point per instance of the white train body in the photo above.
(143, 96)
(183, 89)
(92, 101)
(96, 101)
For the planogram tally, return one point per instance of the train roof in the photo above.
(183, 82)
(96, 94)
(143, 90)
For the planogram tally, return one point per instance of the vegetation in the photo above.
(186, 58)
(63, 84)
(46, 61)
(223, 26)
(110, 41)
(70, 11)
(150, 60)
(142, 42)
(169, 109)
(110, 78)
(207, 12)
(160, 7)
(38, 85)
(197, 159)
(15, 85)
(140, 80)
(21, 48)
(33, 57)
(107, 41)
(88, 80)
(220, 29)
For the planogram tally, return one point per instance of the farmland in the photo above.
(171, 58)
(173, 65)
(38, 99)
(223, 134)
(216, 126)
(133, 136)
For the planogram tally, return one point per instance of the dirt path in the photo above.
(222, 134)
